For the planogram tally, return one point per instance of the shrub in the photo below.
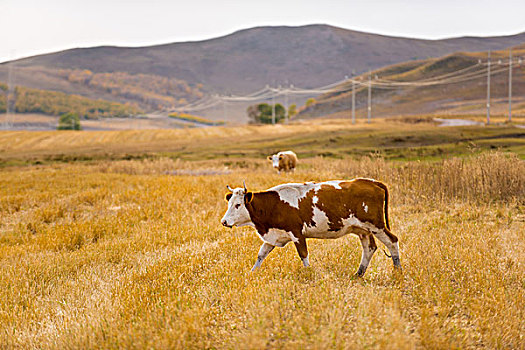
(69, 121)
(262, 113)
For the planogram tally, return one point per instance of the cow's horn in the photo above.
(229, 188)
(244, 184)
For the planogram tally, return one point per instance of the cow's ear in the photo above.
(228, 196)
(248, 197)
(269, 157)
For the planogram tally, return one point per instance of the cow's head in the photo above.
(237, 214)
(275, 160)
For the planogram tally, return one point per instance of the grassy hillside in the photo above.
(28, 100)
(154, 91)
(455, 99)
(149, 91)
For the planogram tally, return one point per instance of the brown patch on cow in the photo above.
(340, 204)
(267, 211)
(287, 162)
(248, 197)
(302, 248)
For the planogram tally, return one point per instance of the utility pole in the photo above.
(488, 89)
(287, 117)
(353, 100)
(510, 85)
(369, 97)
(223, 109)
(273, 109)
(9, 96)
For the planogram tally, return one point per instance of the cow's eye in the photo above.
(237, 206)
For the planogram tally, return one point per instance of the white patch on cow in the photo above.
(275, 160)
(315, 199)
(353, 221)
(292, 193)
(293, 238)
(365, 207)
(237, 214)
(334, 183)
(287, 152)
(276, 237)
(320, 230)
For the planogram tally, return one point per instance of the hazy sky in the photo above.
(30, 27)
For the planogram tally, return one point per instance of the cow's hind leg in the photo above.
(369, 247)
(263, 253)
(391, 242)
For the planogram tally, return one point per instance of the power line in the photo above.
(475, 71)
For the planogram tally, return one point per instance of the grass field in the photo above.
(109, 252)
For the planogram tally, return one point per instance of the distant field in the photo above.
(112, 240)
(42, 122)
(401, 139)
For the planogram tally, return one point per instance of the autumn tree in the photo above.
(310, 102)
(262, 113)
(69, 121)
(292, 111)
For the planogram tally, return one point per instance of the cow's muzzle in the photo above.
(224, 223)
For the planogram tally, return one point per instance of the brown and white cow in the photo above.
(284, 161)
(293, 212)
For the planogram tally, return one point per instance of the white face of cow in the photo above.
(275, 160)
(237, 214)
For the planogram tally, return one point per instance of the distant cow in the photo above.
(284, 161)
(331, 209)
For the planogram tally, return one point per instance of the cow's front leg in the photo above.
(302, 250)
(263, 253)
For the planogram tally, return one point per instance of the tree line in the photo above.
(27, 100)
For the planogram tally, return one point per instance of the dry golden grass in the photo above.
(120, 255)
(397, 138)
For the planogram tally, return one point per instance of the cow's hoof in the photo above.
(357, 276)
(306, 262)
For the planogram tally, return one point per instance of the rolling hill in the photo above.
(249, 59)
(465, 95)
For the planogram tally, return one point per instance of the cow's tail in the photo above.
(383, 186)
